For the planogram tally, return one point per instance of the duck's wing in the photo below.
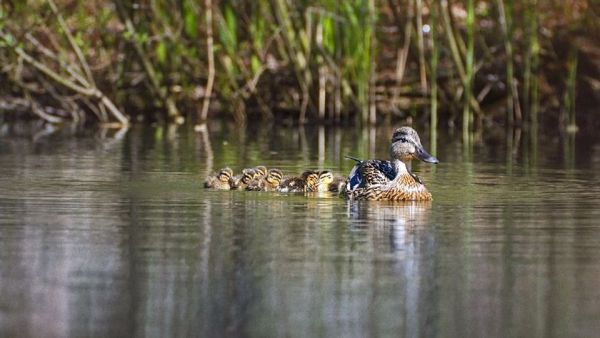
(370, 172)
(384, 168)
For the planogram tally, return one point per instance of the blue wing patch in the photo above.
(384, 167)
(355, 177)
(370, 172)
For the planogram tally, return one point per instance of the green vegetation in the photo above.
(363, 61)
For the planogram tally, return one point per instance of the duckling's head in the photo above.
(260, 170)
(406, 146)
(311, 179)
(225, 174)
(248, 175)
(274, 176)
(325, 177)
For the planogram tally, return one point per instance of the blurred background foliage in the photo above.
(465, 63)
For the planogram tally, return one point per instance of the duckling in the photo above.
(330, 182)
(220, 181)
(261, 170)
(381, 180)
(312, 179)
(270, 182)
(307, 182)
(325, 178)
(240, 182)
(338, 184)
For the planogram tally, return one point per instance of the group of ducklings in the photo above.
(262, 179)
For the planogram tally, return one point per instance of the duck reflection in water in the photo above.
(397, 220)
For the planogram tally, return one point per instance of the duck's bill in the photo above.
(424, 156)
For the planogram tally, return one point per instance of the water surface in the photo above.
(111, 234)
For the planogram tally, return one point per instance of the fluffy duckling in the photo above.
(261, 171)
(269, 182)
(307, 182)
(329, 182)
(219, 181)
(240, 182)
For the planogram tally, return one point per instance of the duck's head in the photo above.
(274, 176)
(406, 146)
(225, 174)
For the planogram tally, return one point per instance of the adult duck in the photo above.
(380, 180)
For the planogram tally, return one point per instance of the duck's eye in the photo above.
(400, 138)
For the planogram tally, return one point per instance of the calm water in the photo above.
(110, 234)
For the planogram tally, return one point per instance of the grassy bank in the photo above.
(467, 63)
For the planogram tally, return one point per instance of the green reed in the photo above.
(570, 92)
(190, 27)
(228, 45)
(358, 33)
(420, 45)
(469, 68)
(296, 46)
(435, 54)
(505, 19)
(527, 62)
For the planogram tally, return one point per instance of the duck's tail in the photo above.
(353, 158)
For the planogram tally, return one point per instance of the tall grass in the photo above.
(505, 19)
(190, 25)
(470, 70)
(328, 60)
(421, 45)
(570, 92)
(435, 54)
